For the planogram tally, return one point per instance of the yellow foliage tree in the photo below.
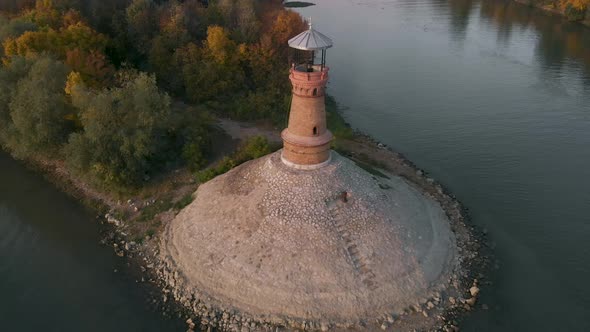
(218, 44)
(287, 24)
(44, 14)
(74, 79)
(577, 4)
(57, 42)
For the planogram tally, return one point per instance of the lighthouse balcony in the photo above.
(309, 84)
(306, 68)
(309, 73)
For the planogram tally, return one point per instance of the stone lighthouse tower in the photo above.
(306, 140)
(275, 242)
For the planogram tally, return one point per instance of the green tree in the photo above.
(173, 35)
(10, 74)
(141, 23)
(13, 28)
(38, 109)
(15, 6)
(196, 144)
(247, 23)
(123, 130)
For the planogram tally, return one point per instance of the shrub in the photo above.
(336, 122)
(184, 201)
(575, 13)
(254, 147)
(123, 130)
(197, 143)
(38, 109)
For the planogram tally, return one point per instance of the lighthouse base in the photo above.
(335, 245)
(306, 167)
(305, 157)
(306, 150)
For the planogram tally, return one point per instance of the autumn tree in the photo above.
(57, 42)
(13, 28)
(219, 73)
(45, 14)
(575, 10)
(94, 67)
(72, 17)
(173, 35)
(286, 25)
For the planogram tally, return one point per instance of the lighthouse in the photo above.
(306, 239)
(306, 140)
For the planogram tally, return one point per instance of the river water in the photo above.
(493, 99)
(54, 274)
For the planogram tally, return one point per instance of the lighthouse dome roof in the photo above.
(310, 40)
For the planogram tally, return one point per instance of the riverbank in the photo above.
(441, 311)
(138, 222)
(552, 7)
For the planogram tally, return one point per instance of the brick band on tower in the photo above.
(306, 140)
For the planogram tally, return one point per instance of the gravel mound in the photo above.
(336, 243)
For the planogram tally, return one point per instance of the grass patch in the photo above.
(150, 212)
(183, 202)
(138, 239)
(336, 123)
(367, 167)
(252, 148)
(150, 232)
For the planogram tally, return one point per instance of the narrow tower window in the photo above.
(315, 131)
(315, 92)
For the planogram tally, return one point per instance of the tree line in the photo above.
(94, 82)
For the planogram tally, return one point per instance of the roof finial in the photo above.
(309, 23)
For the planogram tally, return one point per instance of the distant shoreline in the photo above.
(547, 9)
(456, 302)
(298, 4)
(130, 242)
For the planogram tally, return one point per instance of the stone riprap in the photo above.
(335, 244)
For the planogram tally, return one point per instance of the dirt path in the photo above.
(242, 130)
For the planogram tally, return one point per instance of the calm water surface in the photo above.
(493, 99)
(54, 275)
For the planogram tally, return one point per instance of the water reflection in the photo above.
(558, 42)
(460, 11)
(492, 98)
(53, 269)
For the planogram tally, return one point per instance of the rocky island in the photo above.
(324, 234)
(305, 238)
